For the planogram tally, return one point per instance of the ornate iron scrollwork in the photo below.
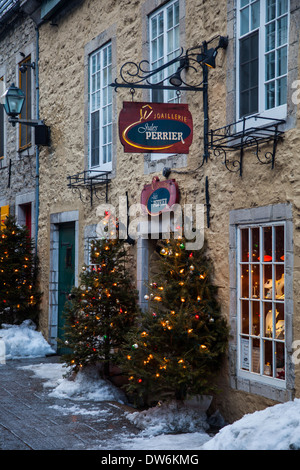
(139, 75)
(89, 185)
(230, 139)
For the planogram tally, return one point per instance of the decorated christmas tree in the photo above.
(180, 341)
(19, 291)
(101, 309)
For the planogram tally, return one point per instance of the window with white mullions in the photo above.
(100, 102)
(276, 53)
(164, 46)
(263, 28)
(261, 302)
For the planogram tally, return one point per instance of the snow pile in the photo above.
(23, 341)
(184, 441)
(169, 418)
(79, 410)
(86, 385)
(275, 428)
(51, 372)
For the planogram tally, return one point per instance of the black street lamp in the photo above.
(13, 100)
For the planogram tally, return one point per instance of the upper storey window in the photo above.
(263, 30)
(164, 46)
(100, 105)
(25, 82)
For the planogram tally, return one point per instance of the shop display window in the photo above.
(261, 300)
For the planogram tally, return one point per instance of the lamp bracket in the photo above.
(26, 122)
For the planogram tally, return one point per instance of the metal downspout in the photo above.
(37, 152)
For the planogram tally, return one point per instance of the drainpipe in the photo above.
(37, 152)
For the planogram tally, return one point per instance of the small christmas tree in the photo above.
(180, 341)
(19, 291)
(101, 309)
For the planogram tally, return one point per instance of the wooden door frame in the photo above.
(55, 221)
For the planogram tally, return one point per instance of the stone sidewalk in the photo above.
(31, 419)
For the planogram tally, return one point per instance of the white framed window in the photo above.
(261, 310)
(164, 46)
(100, 109)
(25, 84)
(262, 58)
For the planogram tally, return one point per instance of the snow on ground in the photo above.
(165, 427)
(84, 386)
(23, 341)
(275, 428)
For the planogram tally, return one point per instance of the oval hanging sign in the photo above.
(159, 196)
(155, 127)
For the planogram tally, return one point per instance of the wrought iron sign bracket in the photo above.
(199, 58)
(90, 184)
(138, 75)
(232, 140)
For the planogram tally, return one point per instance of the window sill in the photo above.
(258, 385)
(157, 164)
(263, 119)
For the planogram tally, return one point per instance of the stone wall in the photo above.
(63, 92)
(18, 169)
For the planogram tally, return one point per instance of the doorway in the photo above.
(66, 275)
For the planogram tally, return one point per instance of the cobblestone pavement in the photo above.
(31, 419)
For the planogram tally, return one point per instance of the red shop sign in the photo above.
(159, 196)
(155, 127)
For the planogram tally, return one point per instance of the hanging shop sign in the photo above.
(155, 127)
(159, 196)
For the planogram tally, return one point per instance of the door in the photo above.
(66, 274)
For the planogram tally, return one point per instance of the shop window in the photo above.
(164, 46)
(261, 301)
(262, 57)
(25, 217)
(100, 109)
(25, 85)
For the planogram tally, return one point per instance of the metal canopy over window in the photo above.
(250, 132)
(94, 183)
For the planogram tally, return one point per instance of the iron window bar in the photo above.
(228, 139)
(91, 181)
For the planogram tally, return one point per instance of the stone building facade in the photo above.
(19, 154)
(248, 184)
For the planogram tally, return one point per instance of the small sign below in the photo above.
(159, 196)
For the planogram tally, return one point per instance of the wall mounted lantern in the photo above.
(13, 100)
(24, 66)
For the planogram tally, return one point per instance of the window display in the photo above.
(261, 300)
